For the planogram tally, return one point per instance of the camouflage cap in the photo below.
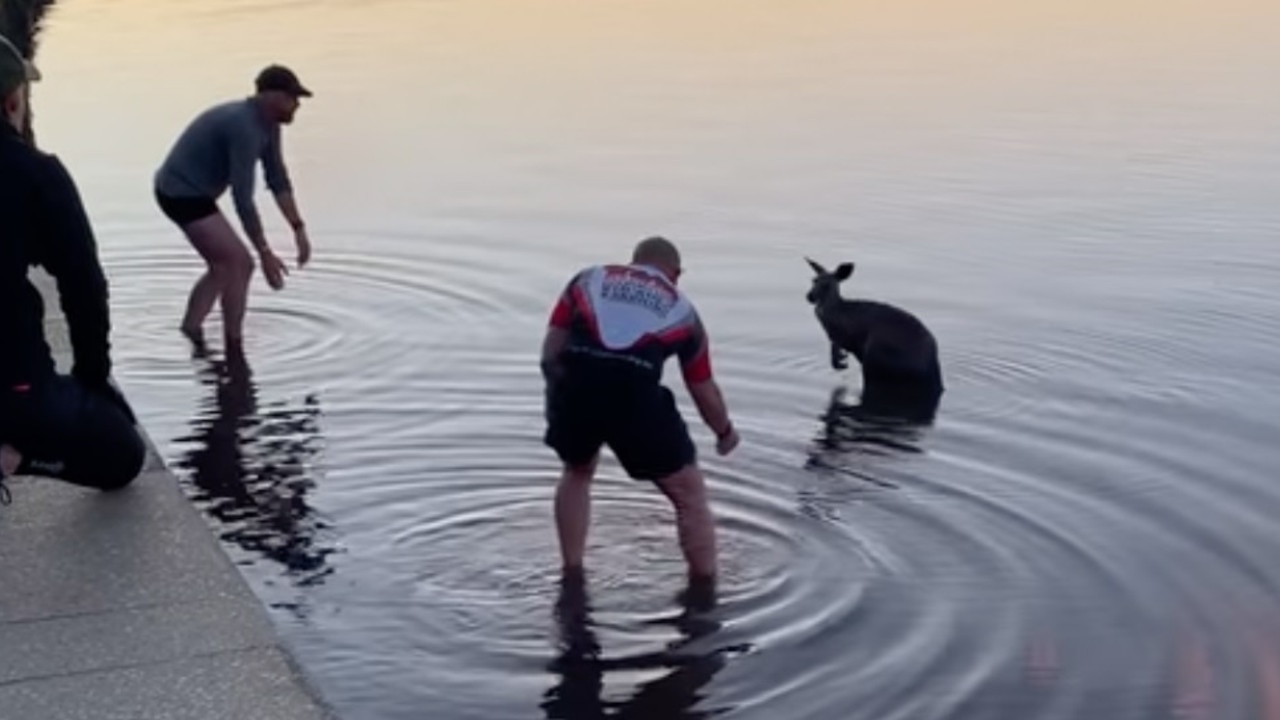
(15, 70)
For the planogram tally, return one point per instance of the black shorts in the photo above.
(185, 210)
(638, 420)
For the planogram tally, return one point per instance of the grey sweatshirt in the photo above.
(219, 149)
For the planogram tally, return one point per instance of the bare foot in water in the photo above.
(237, 361)
(196, 336)
(10, 459)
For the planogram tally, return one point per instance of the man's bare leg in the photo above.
(230, 270)
(203, 295)
(573, 513)
(695, 524)
(235, 299)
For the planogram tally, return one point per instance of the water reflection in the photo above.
(251, 466)
(887, 425)
(582, 667)
(851, 435)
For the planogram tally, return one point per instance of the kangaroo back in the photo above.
(881, 334)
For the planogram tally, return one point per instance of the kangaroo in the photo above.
(896, 351)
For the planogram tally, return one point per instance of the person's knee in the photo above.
(578, 472)
(125, 462)
(232, 270)
(115, 448)
(685, 488)
(121, 455)
(216, 241)
(240, 265)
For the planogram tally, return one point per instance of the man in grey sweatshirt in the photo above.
(218, 150)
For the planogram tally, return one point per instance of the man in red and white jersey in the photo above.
(611, 331)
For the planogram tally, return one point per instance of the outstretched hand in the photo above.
(273, 268)
(727, 442)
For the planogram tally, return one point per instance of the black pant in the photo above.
(67, 431)
(595, 404)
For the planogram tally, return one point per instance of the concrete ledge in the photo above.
(124, 605)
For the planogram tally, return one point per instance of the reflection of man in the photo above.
(250, 470)
(75, 428)
(218, 461)
(582, 669)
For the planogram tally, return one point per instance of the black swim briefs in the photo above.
(185, 210)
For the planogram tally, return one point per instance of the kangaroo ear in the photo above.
(818, 269)
(844, 271)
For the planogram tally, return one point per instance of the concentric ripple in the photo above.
(385, 457)
(1081, 207)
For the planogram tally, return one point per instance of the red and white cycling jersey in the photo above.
(633, 313)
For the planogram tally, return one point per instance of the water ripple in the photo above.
(1084, 530)
(948, 553)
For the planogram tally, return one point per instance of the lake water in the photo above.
(1080, 198)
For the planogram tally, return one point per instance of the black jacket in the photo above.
(43, 222)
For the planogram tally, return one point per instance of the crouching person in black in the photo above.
(75, 428)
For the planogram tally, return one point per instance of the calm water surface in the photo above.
(1078, 197)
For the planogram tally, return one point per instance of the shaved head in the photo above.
(659, 252)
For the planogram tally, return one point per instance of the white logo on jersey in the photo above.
(632, 302)
(644, 292)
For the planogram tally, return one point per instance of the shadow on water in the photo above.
(583, 667)
(250, 466)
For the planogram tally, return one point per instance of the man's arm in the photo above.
(710, 401)
(289, 208)
(243, 157)
(557, 336)
(552, 345)
(278, 181)
(695, 366)
(281, 186)
(69, 251)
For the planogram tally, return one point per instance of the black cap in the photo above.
(279, 77)
(15, 70)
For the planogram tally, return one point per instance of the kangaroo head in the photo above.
(826, 285)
